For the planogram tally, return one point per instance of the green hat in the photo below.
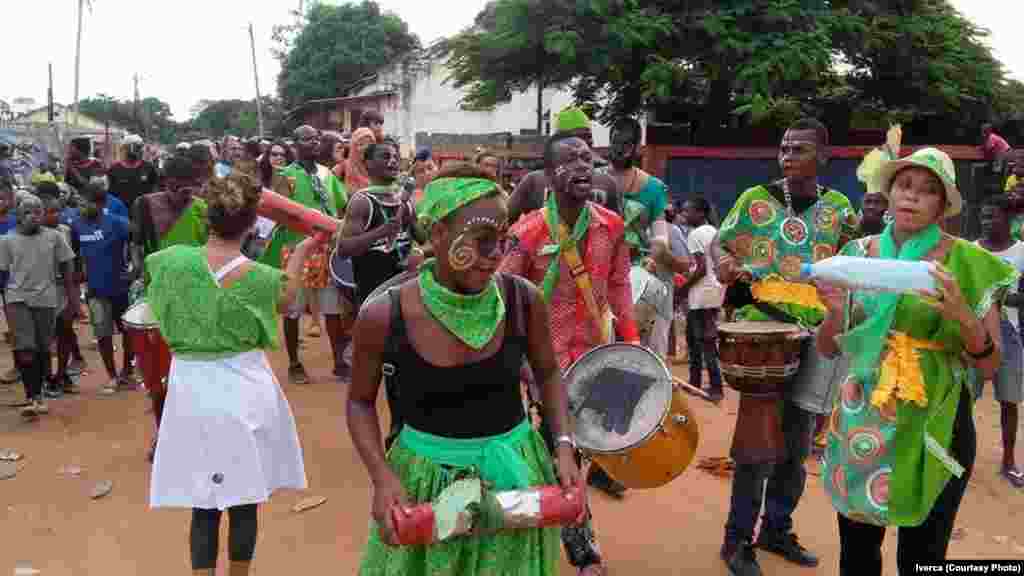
(446, 195)
(933, 159)
(571, 118)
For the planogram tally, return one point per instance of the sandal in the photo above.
(1014, 476)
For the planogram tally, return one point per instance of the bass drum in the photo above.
(342, 273)
(629, 417)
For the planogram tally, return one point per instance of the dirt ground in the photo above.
(49, 523)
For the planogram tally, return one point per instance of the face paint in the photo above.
(481, 237)
(462, 254)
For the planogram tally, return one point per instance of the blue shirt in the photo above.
(114, 207)
(102, 244)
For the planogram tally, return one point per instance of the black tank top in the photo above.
(381, 261)
(469, 401)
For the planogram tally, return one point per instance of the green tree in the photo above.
(217, 118)
(713, 63)
(151, 118)
(336, 46)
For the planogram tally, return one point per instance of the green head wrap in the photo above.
(571, 118)
(446, 195)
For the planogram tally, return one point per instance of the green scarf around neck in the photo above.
(867, 342)
(472, 318)
(578, 232)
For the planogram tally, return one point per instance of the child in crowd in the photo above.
(59, 382)
(31, 255)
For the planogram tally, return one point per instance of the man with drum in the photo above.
(163, 219)
(584, 298)
(769, 233)
(316, 187)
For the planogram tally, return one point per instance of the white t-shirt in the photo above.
(708, 292)
(1014, 256)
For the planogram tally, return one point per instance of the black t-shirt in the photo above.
(128, 183)
(86, 169)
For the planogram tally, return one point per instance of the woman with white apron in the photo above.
(228, 438)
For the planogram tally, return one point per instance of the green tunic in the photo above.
(887, 467)
(332, 203)
(199, 318)
(753, 231)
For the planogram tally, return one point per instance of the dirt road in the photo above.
(49, 523)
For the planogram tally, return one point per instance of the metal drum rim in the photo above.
(661, 421)
(134, 325)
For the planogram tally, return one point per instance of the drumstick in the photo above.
(692, 388)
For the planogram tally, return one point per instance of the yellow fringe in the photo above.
(901, 371)
(782, 292)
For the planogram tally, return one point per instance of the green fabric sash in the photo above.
(867, 342)
(189, 229)
(496, 458)
(472, 318)
(555, 249)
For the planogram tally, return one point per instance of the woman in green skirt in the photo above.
(450, 342)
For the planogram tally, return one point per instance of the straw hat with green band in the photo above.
(932, 159)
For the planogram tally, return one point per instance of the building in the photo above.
(421, 109)
(65, 115)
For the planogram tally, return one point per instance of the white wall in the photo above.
(432, 105)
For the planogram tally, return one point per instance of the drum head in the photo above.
(748, 327)
(638, 278)
(618, 396)
(390, 283)
(140, 316)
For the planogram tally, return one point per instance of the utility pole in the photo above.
(78, 59)
(256, 76)
(49, 97)
(135, 102)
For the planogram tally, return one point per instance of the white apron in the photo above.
(227, 436)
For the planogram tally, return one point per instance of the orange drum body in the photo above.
(151, 352)
(758, 359)
(295, 216)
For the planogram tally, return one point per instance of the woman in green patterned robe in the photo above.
(901, 442)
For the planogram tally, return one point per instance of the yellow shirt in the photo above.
(1011, 183)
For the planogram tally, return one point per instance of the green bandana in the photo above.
(867, 342)
(571, 118)
(472, 318)
(578, 231)
(446, 195)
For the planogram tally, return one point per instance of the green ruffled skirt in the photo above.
(533, 552)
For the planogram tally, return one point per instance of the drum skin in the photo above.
(663, 456)
(755, 345)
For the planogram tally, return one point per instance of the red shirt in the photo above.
(606, 256)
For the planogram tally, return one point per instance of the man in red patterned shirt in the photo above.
(598, 237)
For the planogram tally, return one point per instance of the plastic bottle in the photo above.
(872, 274)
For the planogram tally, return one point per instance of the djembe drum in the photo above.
(759, 359)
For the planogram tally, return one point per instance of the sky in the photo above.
(188, 50)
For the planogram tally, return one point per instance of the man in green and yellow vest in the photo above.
(771, 231)
(315, 186)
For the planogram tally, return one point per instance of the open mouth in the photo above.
(581, 180)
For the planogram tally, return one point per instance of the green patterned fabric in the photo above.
(190, 229)
(199, 318)
(887, 466)
(579, 230)
(446, 195)
(531, 552)
(472, 318)
(639, 211)
(330, 197)
(753, 232)
(1017, 228)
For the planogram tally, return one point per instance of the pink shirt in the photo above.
(995, 146)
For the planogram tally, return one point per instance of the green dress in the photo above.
(887, 466)
(217, 321)
(190, 229)
(329, 197)
(757, 232)
(639, 211)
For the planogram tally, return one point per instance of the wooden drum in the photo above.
(758, 359)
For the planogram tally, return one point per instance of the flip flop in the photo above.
(1014, 477)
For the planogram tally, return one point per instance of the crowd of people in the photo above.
(468, 302)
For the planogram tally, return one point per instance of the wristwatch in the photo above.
(565, 439)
